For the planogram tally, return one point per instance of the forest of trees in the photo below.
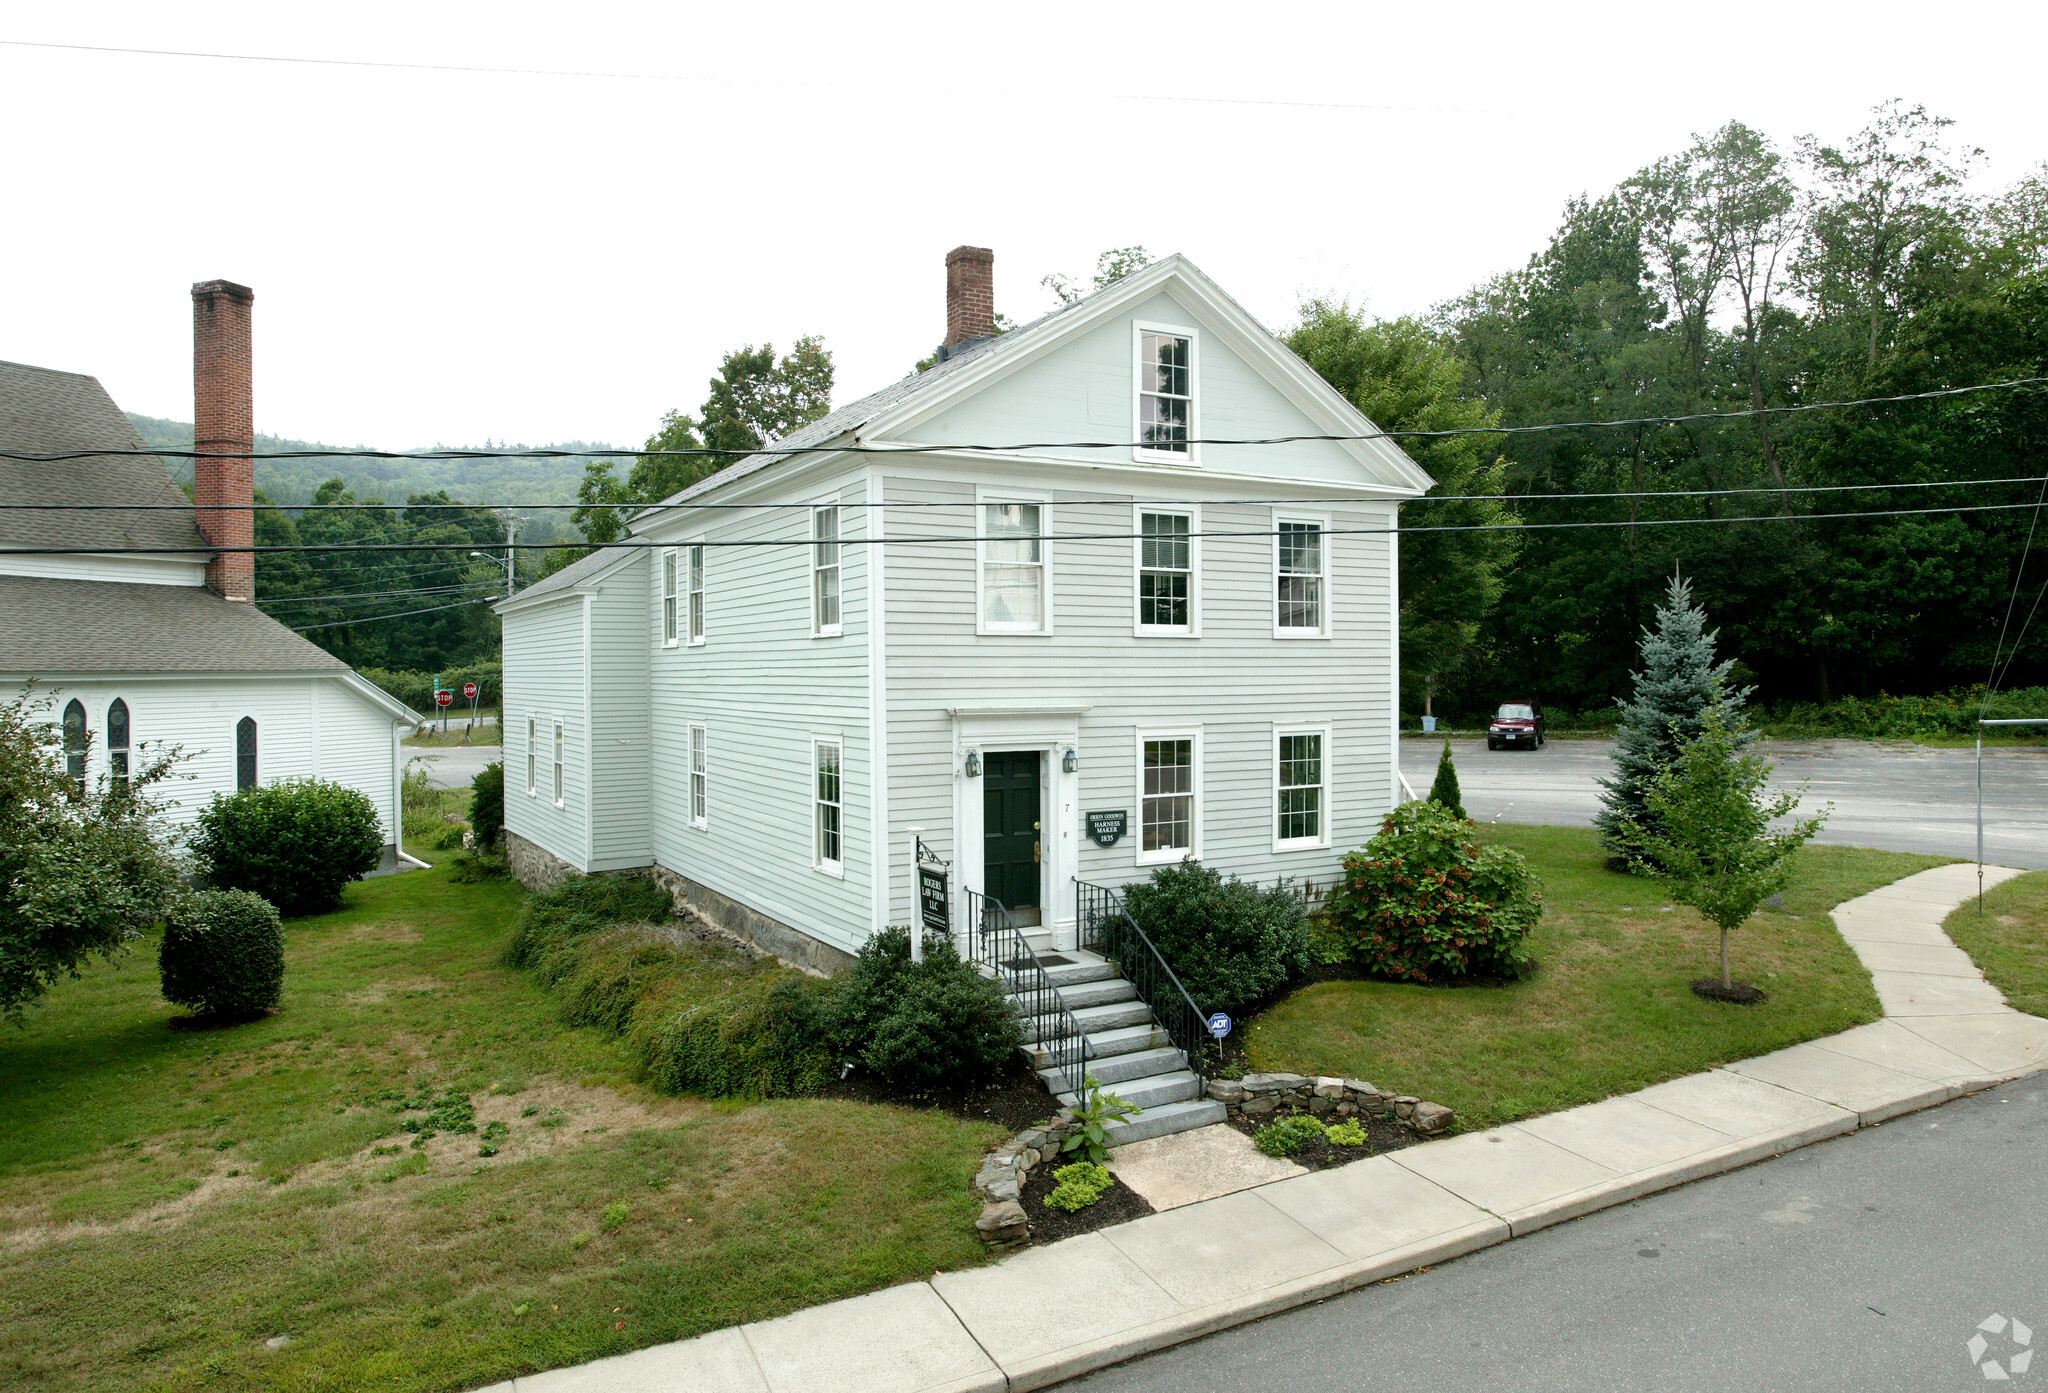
(1732, 275)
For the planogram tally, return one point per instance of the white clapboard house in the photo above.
(139, 634)
(1065, 666)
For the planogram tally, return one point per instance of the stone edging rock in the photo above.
(1000, 1181)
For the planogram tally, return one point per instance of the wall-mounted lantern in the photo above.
(1070, 761)
(974, 764)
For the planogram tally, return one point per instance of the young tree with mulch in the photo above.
(1679, 686)
(1707, 837)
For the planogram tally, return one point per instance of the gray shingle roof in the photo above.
(43, 411)
(51, 627)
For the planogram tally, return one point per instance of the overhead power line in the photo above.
(1295, 500)
(1022, 447)
(402, 614)
(856, 540)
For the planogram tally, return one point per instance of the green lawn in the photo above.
(2009, 941)
(170, 1199)
(1610, 1009)
(482, 735)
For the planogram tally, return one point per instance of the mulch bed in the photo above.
(1119, 1204)
(1382, 1134)
(1740, 993)
(1015, 1100)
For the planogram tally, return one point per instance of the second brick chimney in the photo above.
(224, 433)
(970, 297)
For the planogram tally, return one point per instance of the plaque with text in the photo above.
(1107, 829)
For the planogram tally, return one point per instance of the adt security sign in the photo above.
(1219, 1025)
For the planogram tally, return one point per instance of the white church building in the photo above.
(1036, 606)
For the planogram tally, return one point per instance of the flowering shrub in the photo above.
(1424, 902)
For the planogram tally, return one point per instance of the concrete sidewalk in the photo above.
(1050, 1313)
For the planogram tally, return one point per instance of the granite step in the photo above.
(1152, 1093)
(1116, 1068)
(1166, 1120)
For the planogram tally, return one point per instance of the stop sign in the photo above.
(444, 697)
(469, 691)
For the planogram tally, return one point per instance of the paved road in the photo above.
(454, 766)
(1866, 1262)
(1895, 796)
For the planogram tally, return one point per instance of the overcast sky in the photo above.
(447, 257)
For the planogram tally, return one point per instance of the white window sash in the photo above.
(826, 593)
(696, 553)
(1283, 806)
(1145, 800)
(1317, 581)
(561, 780)
(668, 599)
(1141, 612)
(1007, 565)
(828, 806)
(532, 789)
(700, 776)
(1141, 380)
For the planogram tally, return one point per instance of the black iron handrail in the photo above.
(995, 942)
(1108, 928)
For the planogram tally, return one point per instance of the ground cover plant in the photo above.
(1609, 1009)
(170, 1200)
(2009, 940)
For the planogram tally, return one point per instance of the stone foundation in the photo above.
(533, 865)
(792, 946)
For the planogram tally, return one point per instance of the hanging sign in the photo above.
(1107, 829)
(934, 900)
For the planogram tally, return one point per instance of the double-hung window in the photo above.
(1301, 789)
(1166, 571)
(824, 571)
(1301, 561)
(697, 593)
(532, 743)
(831, 852)
(668, 599)
(700, 777)
(1013, 578)
(1169, 812)
(1166, 417)
(559, 783)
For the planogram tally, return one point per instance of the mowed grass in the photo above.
(171, 1200)
(2009, 940)
(1610, 1009)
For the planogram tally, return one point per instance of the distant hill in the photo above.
(292, 481)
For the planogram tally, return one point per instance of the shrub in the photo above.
(1424, 902)
(1445, 789)
(223, 953)
(1230, 942)
(1346, 1134)
(548, 928)
(419, 803)
(1079, 1185)
(295, 843)
(921, 1024)
(1286, 1135)
(487, 805)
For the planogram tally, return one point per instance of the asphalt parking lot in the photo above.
(1891, 795)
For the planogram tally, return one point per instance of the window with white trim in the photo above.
(117, 744)
(1166, 572)
(559, 784)
(700, 777)
(697, 593)
(1301, 791)
(825, 571)
(1166, 797)
(1013, 568)
(825, 761)
(1166, 393)
(1301, 561)
(668, 599)
(532, 744)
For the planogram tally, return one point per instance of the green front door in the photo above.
(1010, 832)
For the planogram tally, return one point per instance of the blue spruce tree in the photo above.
(1679, 683)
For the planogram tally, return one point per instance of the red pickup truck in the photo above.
(1517, 723)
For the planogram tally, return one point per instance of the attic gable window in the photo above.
(1166, 417)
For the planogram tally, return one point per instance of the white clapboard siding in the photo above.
(763, 687)
(306, 727)
(621, 834)
(543, 655)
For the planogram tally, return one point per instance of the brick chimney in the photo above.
(224, 433)
(970, 298)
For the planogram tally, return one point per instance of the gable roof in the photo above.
(50, 626)
(43, 412)
(909, 396)
(571, 577)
